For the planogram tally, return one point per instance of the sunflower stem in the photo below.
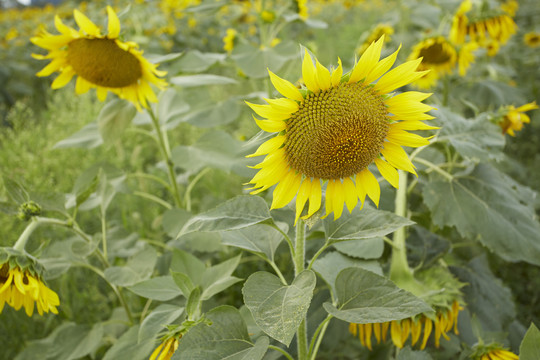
(20, 244)
(436, 168)
(299, 263)
(187, 195)
(318, 336)
(399, 268)
(166, 153)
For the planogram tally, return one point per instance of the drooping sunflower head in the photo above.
(21, 284)
(458, 31)
(437, 55)
(331, 131)
(513, 118)
(466, 57)
(493, 351)
(102, 62)
(532, 39)
(166, 349)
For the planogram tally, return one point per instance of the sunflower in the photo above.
(437, 55)
(514, 118)
(439, 324)
(499, 28)
(100, 61)
(492, 351)
(532, 39)
(166, 349)
(228, 40)
(458, 31)
(466, 57)
(375, 34)
(334, 129)
(23, 286)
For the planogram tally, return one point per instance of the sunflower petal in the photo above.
(286, 189)
(63, 79)
(397, 157)
(323, 76)
(270, 125)
(302, 197)
(382, 67)
(399, 76)
(337, 73)
(269, 146)
(388, 172)
(113, 30)
(315, 198)
(351, 196)
(338, 199)
(285, 88)
(309, 73)
(85, 24)
(329, 197)
(368, 61)
(400, 137)
(370, 185)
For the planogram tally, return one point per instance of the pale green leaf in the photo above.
(171, 107)
(530, 346)
(156, 321)
(114, 118)
(128, 347)
(279, 309)
(364, 249)
(365, 297)
(196, 61)
(160, 288)
(87, 138)
(201, 80)
(261, 239)
(138, 268)
(409, 354)
(255, 62)
(214, 114)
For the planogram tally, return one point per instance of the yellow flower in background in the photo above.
(268, 16)
(437, 55)
(375, 34)
(228, 40)
(532, 39)
(514, 118)
(499, 28)
(492, 351)
(20, 288)
(466, 57)
(11, 34)
(510, 7)
(101, 62)
(335, 128)
(301, 8)
(165, 350)
(400, 330)
(458, 31)
(492, 47)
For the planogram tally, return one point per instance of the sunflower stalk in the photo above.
(166, 153)
(299, 256)
(20, 244)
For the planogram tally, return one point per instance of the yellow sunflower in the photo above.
(499, 28)
(334, 129)
(166, 349)
(514, 118)
(228, 40)
(24, 287)
(466, 57)
(532, 39)
(100, 61)
(375, 34)
(458, 31)
(437, 55)
(492, 351)
(439, 324)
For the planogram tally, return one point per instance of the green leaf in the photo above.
(83, 190)
(160, 288)
(486, 296)
(183, 282)
(214, 114)
(218, 277)
(215, 149)
(127, 347)
(365, 297)
(473, 138)
(185, 263)
(488, 206)
(86, 138)
(138, 268)
(236, 213)
(365, 224)
(171, 107)
(226, 338)
(114, 118)
(158, 59)
(279, 309)
(196, 61)
(16, 192)
(409, 354)
(174, 220)
(262, 239)
(154, 323)
(490, 94)
(201, 80)
(364, 249)
(193, 303)
(332, 263)
(426, 248)
(255, 62)
(9, 208)
(530, 346)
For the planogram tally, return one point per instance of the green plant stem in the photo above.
(274, 266)
(399, 268)
(151, 177)
(153, 198)
(318, 253)
(299, 263)
(104, 234)
(20, 244)
(187, 195)
(166, 153)
(286, 237)
(278, 349)
(317, 337)
(436, 168)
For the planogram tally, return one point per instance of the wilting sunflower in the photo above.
(514, 118)
(458, 31)
(166, 349)
(466, 57)
(499, 28)
(492, 352)
(532, 39)
(334, 129)
(437, 55)
(100, 61)
(439, 325)
(22, 285)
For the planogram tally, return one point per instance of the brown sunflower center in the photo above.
(434, 54)
(103, 63)
(336, 133)
(4, 272)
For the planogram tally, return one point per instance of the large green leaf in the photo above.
(138, 268)
(226, 337)
(331, 264)
(214, 114)
(409, 354)
(236, 213)
(201, 80)
(128, 347)
(473, 138)
(365, 297)
(114, 118)
(262, 239)
(488, 206)
(160, 317)
(279, 309)
(363, 249)
(162, 288)
(87, 138)
(365, 224)
(196, 61)
(171, 107)
(255, 62)
(530, 346)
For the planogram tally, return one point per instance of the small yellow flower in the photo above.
(166, 349)
(301, 8)
(268, 16)
(103, 62)
(400, 330)
(375, 34)
(228, 40)
(12, 34)
(532, 39)
(514, 118)
(460, 21)
(438, 55)
(492, 47)
(20, 288)
(510, 7)
(466, 57)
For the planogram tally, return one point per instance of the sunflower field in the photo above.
(270, 179)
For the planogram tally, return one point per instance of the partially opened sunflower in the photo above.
(334, 129)
(101, 62)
